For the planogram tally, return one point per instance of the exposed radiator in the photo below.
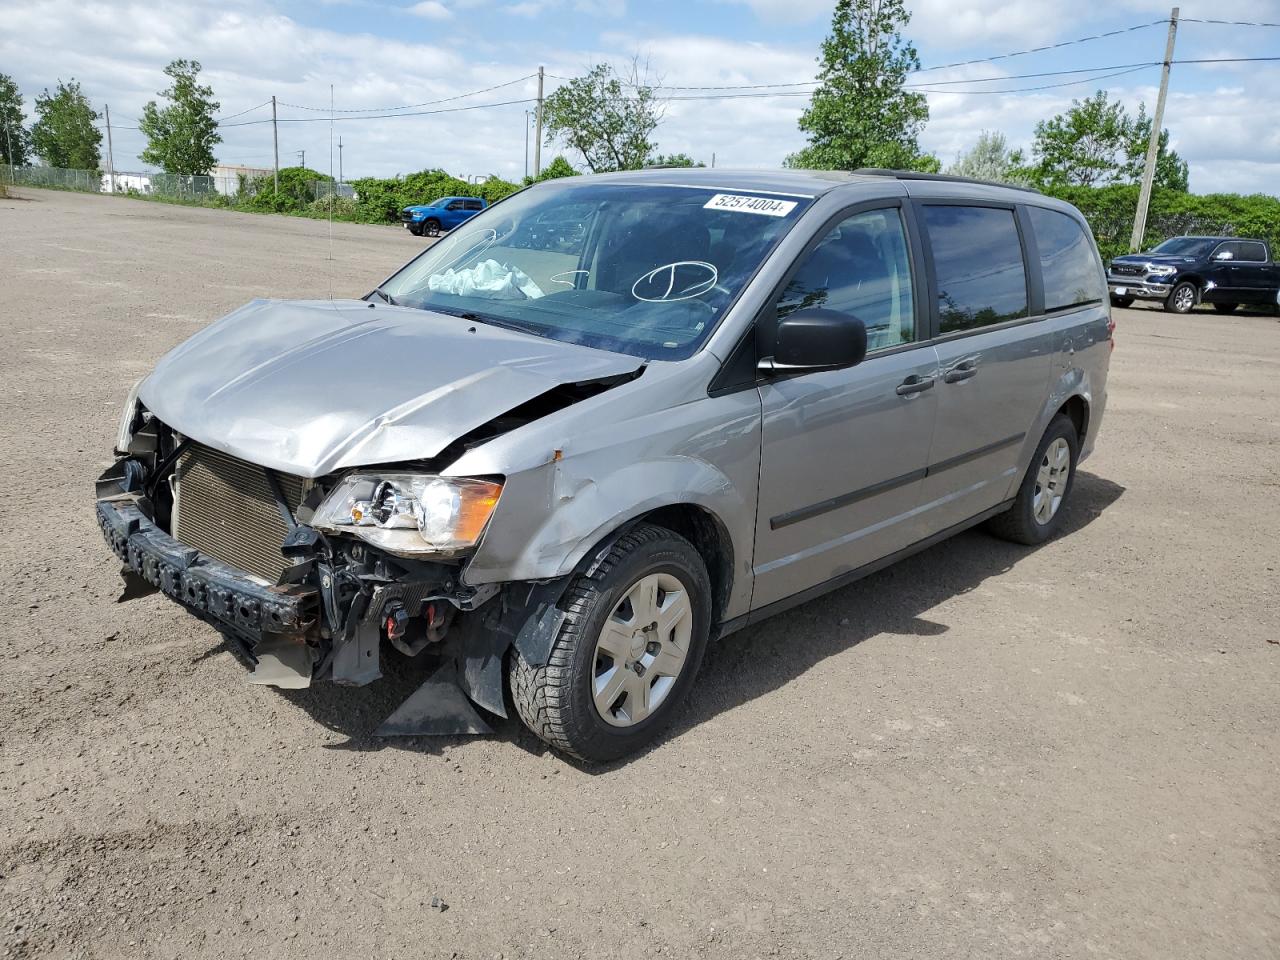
(225, 507)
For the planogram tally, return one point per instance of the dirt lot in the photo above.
(986, 751)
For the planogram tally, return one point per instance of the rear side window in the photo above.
(977, 258)
(1071, 274)
(861, 268)
(472, 205)
(1247, 251)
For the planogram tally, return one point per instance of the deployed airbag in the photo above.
(488, 278)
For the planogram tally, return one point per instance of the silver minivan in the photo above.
(606, 421)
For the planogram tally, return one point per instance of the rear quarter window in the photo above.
(1067, 261)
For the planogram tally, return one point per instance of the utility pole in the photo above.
(537, 147)
(302, 158)
(340, 160)
(713, 159)
(111, 157)
(527, 121)
(275, 143)
(1153, 145)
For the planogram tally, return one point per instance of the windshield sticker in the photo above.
(740, 204)
(682, 280)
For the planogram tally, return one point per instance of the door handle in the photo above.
(961, 371)
(914, 384)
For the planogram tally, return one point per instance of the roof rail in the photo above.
(943, 177)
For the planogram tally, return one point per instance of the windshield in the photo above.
(644, 270)
(1186, 246)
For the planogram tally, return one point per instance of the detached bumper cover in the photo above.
(207, 587)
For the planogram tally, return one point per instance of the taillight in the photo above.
(1111, 330)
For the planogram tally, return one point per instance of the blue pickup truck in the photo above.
(1184, 271)
(430, 219)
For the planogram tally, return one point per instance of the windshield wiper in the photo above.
(386, 296)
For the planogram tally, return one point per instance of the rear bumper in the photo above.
(209, 588)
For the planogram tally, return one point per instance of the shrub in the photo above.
(1110, 211)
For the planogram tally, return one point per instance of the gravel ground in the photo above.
(985, 751)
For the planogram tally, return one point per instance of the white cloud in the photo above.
(431, 10)
(793, 11)
(951, 23)
(251, 51)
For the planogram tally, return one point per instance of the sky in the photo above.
(1223, 118)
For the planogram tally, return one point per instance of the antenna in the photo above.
(332, 188)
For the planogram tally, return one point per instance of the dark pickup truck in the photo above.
(1184, 271)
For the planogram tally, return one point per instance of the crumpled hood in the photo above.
(308, 387)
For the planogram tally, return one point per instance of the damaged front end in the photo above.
(309, 578)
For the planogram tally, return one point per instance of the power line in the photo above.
(941, 66)
(387, 116)
(1047, 86)
(1228, 23)
(410, 106)
(265, 103)
(1051, 46)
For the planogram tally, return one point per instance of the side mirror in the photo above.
(817, 339)
(1223, 255)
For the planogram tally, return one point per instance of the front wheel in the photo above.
(1181, 298)
(632, 640)
(1226, 307)
(431, 228)
(415, 229)
(1121, 302)
(1036, 514)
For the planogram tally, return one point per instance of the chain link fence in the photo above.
(323, 189)
(169, 185)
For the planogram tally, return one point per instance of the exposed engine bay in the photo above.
(241, 547)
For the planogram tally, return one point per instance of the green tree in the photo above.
(674, 160)
(15, 141)
(557, 168)
(63, 134)
(181, 136)
(990, 159)
(860, 115)
(1096, 143)
(1171, 170)
(606, 118)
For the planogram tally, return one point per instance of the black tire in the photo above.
(431, 228)
(555, 701)
(1019, 523)
(1178, 302)
(415, 229)
(1226, 307)
(1121, 302)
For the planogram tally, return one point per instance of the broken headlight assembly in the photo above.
(410, 514)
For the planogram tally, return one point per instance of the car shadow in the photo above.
(744, 665)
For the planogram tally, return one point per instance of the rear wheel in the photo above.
(1181, 298)
(1036, 513)
(1226, 307)
(634, 634)
(1121, 302)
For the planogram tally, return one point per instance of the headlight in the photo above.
(411, 514)
(1162, 271)
(128, 420)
